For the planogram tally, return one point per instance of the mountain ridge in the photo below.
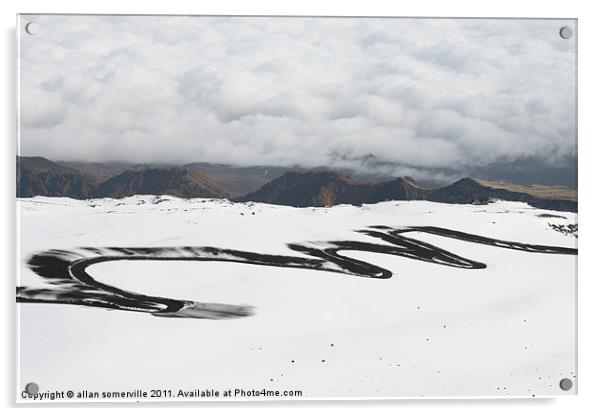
(307, 188)
(325, 188)
(328, 188)
(176, 181)
(40, 176)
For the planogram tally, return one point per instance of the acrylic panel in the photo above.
(287, 208)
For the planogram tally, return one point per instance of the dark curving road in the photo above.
(72, 284)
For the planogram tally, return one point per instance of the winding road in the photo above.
(72, 284)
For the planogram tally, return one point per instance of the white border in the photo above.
(589, 194)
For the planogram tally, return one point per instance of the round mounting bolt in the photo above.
(566, 384)
(566, 32)
(32, 388)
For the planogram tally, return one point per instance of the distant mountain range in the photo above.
(241, 180)
(471, 190)
(39, 176)
(328, 188)
(318, 189)
(175, 181)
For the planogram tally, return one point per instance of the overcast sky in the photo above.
(415, 95)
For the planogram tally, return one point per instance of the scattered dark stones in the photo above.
(570, 229)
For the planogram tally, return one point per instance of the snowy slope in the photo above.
(430, 330)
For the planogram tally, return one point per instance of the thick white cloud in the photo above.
(411, 94)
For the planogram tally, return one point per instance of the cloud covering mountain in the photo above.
(407, 96)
